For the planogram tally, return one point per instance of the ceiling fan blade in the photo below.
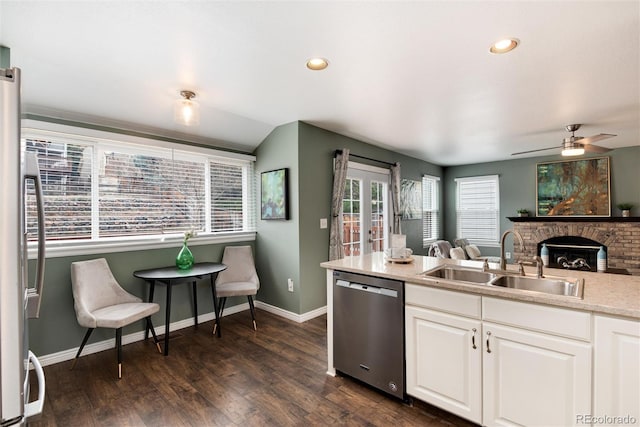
(595, 148)
(533, 151)
(594, 138)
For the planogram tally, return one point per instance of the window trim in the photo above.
(35, 129)
(491, 178)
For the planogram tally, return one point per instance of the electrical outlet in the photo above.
(290, 285)
(323, 222)
(507, 255)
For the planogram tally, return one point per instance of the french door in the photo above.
(365, 210)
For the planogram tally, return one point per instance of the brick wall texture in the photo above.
(622, 239)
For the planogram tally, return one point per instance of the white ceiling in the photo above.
(415, 77)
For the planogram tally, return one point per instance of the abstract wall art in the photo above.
(573, 188)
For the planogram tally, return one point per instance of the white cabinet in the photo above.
(444, 350)
(444, 356)
(536, 364)
(495, 361)
(616, 370)
(533, 379)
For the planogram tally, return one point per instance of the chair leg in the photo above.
(153, 332)
(253, 313)
(84, 342)
(215, 325)
(119, 350)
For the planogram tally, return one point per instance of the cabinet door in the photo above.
(617, 369)
(534, 379)
(444, 356)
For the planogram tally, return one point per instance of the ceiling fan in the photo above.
(576, 145)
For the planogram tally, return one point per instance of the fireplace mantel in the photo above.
(573, 219)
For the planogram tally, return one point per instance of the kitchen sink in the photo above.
(565, 286)
(461, 274)
(548, 285)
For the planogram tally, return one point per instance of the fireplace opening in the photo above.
(572, 252)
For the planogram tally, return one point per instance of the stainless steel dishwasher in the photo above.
(368, 330)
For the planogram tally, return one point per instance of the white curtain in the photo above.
(336, 251)
(395, 198)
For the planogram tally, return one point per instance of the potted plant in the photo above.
(625, 208)
(523, 212)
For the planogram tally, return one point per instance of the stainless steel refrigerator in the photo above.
(18, 300)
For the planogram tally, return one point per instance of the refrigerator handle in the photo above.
(34, 408)
(34, 295)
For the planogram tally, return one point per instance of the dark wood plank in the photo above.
(273, 376)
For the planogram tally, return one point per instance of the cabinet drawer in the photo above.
(443, 300)
(542, 318)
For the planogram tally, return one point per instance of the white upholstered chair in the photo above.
(239, 279)
(472, 251)
(100, 302)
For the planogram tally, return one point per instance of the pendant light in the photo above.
(186, 110)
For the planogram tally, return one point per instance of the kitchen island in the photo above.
(497, 355)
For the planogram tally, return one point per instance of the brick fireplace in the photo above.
(620, 236)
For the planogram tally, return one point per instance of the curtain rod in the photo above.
(363, 157)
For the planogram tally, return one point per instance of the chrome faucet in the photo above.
(539, 267)
(503, 261)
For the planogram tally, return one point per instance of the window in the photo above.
(365, 206)
(430, 210)
(351, 217)
(478, 209)
(110, 189)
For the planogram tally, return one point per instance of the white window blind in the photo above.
(232, 208)
(143, 193)
(478, 209)
(65, 171)
(97, 190)
(431, 224)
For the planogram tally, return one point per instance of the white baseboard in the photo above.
(299, 318)
(62, 356)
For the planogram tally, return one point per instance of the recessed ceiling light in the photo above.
(317, 64)
(504, 46)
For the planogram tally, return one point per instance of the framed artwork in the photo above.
(274, 203)
(410, 199)
(573, 188)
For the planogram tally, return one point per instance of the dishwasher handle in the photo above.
(367, 288)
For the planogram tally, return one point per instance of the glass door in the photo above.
(365, 219)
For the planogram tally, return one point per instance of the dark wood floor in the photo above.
(273, 377)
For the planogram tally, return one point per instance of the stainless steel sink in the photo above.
(461, 274)
(565, 286)
(548, 285)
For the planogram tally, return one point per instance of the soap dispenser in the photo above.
(602, 260)
(544, 254)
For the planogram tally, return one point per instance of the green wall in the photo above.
(295, 248)
(518, 186)
(278, 241)
(317, 148)
(57, 328)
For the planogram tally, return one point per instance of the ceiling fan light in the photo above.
(573, 151)
(186, 111)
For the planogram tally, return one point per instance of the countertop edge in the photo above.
(588, 304)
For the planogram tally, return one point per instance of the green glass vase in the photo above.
(184, 260)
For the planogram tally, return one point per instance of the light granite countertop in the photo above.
(612, 294)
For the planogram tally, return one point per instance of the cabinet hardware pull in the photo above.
(473, 339)
(488, 336)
